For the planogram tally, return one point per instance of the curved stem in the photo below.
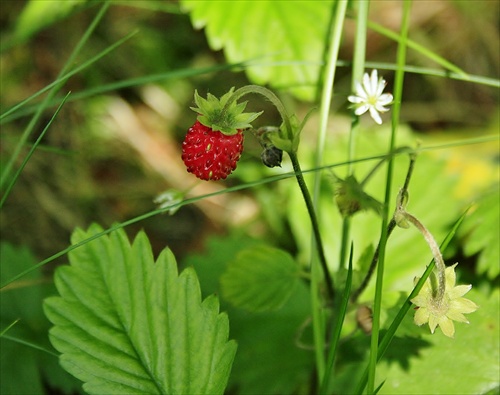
(436, 252)
(315, 224)
(268, 95)
(390, 226)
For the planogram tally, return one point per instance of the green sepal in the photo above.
(281, 143)
(212, 113)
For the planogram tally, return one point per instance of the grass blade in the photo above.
(30, 153)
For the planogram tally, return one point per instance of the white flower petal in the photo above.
(385, 99)
(374, 83)
(380, 108)
(380, 87)
(375, 116)
(362, 109)
(366, 83)
(355, 99)
(360, 91)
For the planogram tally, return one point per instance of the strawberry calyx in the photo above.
(219, 116)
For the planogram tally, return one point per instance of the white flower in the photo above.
(369, 96)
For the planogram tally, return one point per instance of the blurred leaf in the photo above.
(260, 279)
(285, 39)
(127, 324)
(351, 198)
(467, 364)
(482, 233)
(37, 15)
(20, 373)
(24, 368)
(22, 299)
(269, 360)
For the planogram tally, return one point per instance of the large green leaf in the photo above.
(284, 38)
(127, 324)
(269, 360)
(482, 232)
(260, 279)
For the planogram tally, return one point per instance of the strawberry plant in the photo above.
(326, 221)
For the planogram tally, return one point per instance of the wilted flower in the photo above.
(169, 199)
(443, 311)
(369, 97)
(351, 198)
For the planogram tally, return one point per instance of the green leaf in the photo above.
(260, 279)
(482, 232)
(24, 342)
(283, 39)
(20, 372)
(269, 360)
(37, 15)
(127, 324)
(467, 364)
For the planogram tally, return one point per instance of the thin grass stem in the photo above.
(398, 92)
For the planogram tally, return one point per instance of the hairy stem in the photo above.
(436, 252)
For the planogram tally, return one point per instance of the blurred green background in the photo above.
(108, 155)
(116, 145)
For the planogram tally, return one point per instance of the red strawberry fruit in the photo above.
(213, 145)
(211, 155)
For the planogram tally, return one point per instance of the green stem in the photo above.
(390, 226)
(398, 91)
(373, 265)
(314, 222)
(358, 66)
(296, 166)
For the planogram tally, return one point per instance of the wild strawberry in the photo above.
(213, 145)
(211, 155)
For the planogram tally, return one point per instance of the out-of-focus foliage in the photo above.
(283, 43)
(481, 231)
(116, 145)
(260, 279)
(25, 369)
